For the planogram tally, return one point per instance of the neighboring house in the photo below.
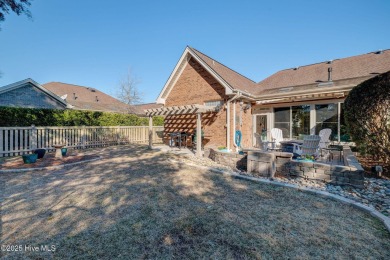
(86, 98)
(139, 110)
(30, 94)
(299, 100)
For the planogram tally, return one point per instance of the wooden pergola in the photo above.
(182, 110)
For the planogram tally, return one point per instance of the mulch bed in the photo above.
(47, 161)
(367, 162)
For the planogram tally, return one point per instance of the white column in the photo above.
(150, 132)
(228, 126)
(338, 121)
(199, 135)
(313, 119)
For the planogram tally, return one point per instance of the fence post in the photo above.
(118, 135)
(150, 132)
(33, 137)
(83, 137)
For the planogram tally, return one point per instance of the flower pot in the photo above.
(64, 151)
(40, 152)
(30, 158)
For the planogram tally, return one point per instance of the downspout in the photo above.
(238, 94)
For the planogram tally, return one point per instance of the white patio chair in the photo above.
(263, 145)
(325, 135)
(310, 145)
(276, 136)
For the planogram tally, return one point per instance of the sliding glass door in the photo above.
(282, 120)
(297, 121)
(327, 117)
(300, 121)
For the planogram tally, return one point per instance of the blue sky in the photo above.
(94, 43)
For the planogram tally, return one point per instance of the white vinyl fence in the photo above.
(20, 140)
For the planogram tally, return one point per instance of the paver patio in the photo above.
(137, 203)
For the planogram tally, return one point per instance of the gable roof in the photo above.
(227, 77)
(235, 79)
(86, 98)
(351, 70)
(22, 83)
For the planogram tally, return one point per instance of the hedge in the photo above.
(367, 113)
(14, 117)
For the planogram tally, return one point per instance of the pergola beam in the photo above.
(180, 110)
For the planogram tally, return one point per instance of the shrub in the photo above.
(13, 117)
(367, 114)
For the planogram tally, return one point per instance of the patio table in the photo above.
(288, 145)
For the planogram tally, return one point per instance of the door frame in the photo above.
(254, 120)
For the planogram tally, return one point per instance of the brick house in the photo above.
(299, 100)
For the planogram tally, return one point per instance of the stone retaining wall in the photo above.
(233, 160)
(267, 164)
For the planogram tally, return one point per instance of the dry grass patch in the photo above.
(137, 204)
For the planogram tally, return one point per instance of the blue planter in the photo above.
(64, 151)
(30, 158)
(40, 152)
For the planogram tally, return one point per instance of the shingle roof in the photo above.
(139, 109)
(345, 70)
(233, 78)
(86, 98)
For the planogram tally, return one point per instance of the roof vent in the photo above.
(329, 62)
(74, 96)
(296, 68)
(379, 52)
(92, 90)
(96, 98)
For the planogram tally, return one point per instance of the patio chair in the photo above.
(277, 136)
(310, 145)
(263, 145)
(325, 135)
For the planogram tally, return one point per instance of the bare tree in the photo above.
(128, 91)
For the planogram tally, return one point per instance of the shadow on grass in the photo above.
(136, 203)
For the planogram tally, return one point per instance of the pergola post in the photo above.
(150, 132)
(199, 134)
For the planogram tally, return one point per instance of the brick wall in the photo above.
(30, 97)
(195, 86)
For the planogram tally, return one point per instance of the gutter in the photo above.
(316, 91)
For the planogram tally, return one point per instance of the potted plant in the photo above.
(40, 153)
(30, 158)
(64, 150)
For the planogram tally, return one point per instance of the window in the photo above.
(282, 120)
(300, 121)
(327, 117)
(344, 135)
(214, 103)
